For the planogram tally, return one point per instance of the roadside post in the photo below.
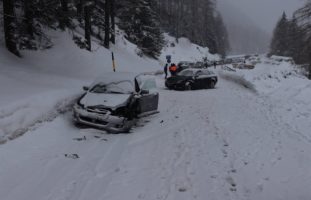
(113, 62)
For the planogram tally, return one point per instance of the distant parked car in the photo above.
(190, 79)
(184, 65)
(243, 66)
(115, 101)
(199, 65)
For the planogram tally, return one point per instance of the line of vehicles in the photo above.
(115, 101)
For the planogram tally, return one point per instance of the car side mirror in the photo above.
(86, 88)
(144, 91)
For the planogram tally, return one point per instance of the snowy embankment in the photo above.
(283, 89)
(25, 115)
(43, 84)
(231, 74)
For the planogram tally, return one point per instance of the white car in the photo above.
(116, 100)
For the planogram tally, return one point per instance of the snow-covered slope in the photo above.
(42, 84)
(32, 88)
(184, 50)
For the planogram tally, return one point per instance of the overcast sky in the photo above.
(265, 13)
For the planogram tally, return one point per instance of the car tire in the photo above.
(188, 86)
(212, 85)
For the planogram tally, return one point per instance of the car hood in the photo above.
(112, 101)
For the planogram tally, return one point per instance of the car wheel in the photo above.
(188, 86)
(212, 85)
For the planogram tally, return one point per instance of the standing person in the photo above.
(165, 69)
(215, 64)
(168, 62)
(173, 69)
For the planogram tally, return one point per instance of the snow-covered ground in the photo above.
(282, 85)
(231, 142)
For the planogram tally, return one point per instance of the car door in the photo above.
(148, 102)
(199, 79)
(149, 98)
(203, 79)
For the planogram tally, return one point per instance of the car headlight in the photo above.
(78, 106)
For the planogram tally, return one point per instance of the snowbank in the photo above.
(21, 116)
(265, 78)
(230, 74)
(282, 87)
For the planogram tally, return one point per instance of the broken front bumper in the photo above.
(108, 122)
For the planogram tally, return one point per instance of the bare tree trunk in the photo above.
(87, 27)
(28, 13)
(179, 6)
(194, 20)
(63, 21)
(107, 24)
(112, 17)
(9, 26)
(80, 10)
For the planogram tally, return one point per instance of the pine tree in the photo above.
(194, 19)
(279, 44)
(208, 34)
(303, 16)
(221, 36)
(141, 24)
(295, 41)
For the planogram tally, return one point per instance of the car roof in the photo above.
(195, 70)
(110, 77)
(114, 77)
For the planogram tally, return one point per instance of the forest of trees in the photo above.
(197, 20)
(292, 37)
(26, 22)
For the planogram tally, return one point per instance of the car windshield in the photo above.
(186, 73)
(122, 87)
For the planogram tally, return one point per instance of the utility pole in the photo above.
(113, 62)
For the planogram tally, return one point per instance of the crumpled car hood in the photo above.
(112, 101)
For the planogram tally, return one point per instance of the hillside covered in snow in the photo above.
(27, 84)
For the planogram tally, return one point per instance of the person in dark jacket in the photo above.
(165, 69)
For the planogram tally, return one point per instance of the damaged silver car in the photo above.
(115, 101)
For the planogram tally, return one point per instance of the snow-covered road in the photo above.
(226, 143)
